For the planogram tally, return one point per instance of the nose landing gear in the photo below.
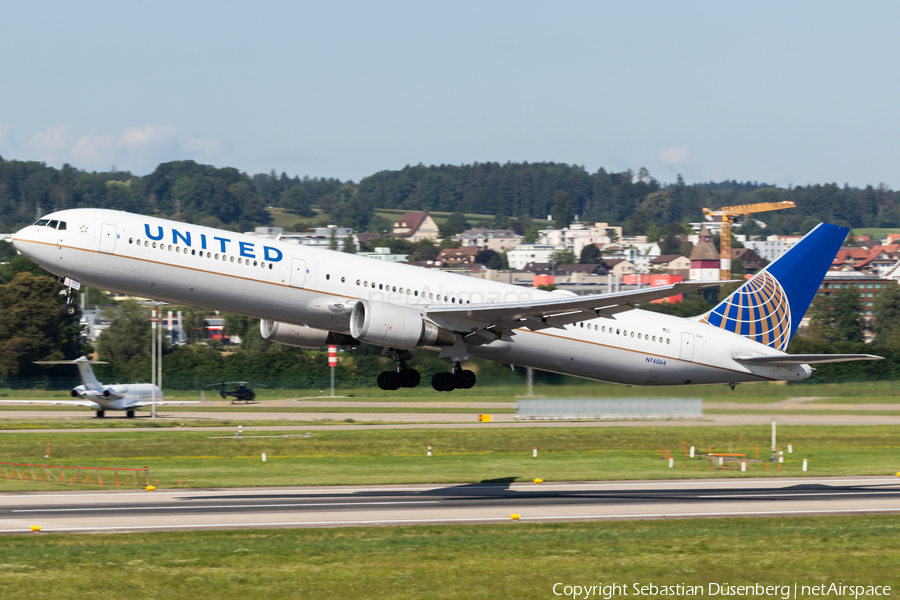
(69, 309)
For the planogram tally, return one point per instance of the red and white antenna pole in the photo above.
(332, 362)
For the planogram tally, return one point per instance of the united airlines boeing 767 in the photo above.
(309, 297)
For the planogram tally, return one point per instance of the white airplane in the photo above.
(127, 397)
(309, 297)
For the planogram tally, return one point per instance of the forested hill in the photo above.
(635, 200)
(226, 197)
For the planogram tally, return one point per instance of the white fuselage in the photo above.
(302, 285)
(121, 397)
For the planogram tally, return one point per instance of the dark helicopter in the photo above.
(241, 393)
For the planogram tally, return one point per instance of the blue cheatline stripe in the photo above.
(774, 301)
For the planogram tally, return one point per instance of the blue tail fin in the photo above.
(768, 308)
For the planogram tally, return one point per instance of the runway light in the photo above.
(35, 528)
(539, 481)
(150, 488)
(514, 516)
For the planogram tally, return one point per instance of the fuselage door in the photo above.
(687, 346)
(298, 272)
(107, 238)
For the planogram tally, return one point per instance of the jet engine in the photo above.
(395, 326)
(300, 336)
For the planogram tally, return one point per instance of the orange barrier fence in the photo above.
(115, 476)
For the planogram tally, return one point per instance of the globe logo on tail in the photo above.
(759, 310)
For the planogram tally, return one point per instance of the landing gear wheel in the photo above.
(392, 380)
(465, 379)
(129, 414)
(68, 310)
(443, 382)
(380, 381)
(101, 414)
(409, 378)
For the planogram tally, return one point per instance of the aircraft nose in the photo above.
(21, 243)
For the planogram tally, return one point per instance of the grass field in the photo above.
(453, 562)
(860, 392)
(209, 459)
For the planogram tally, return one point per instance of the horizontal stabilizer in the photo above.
(54, 402)
(77, 361)
(803, 359)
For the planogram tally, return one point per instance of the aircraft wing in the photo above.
(803, 359)
(54, 402)
(163, 403)
(485, 323)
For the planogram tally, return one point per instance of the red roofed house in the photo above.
(415, 227)
(750, 259)
(455, 256)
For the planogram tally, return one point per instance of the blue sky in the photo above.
(787, 93)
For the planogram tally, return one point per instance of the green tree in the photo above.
(128, 334)
(31, 328)
(332, 239)
(887, 318)
(455, 223)
(562, 209)
(563, 257)
(531, 235)
(296, 200)
(424, 250)
(590, 255)
(836, 318)
(349, 247)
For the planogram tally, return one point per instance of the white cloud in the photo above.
(138, 148)
(203, 146)
(146, 136)
(674, 155)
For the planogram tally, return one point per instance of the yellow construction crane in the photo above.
(728, 214)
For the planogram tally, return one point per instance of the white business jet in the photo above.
(309, 297)
(93, 394)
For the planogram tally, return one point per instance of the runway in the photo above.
(487, 502)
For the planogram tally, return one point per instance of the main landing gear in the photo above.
(101, 414)
(403, 376)
(458, 378)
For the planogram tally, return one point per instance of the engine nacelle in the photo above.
(300, 336)
(395, 326)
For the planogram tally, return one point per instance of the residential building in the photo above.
(521, 255)
(673, 264)
(751, 260)
(416, 227)
(498, 240)
(768, 250)
(705, 264)
(577, 235)
(619, 266)
(318, 236)
(458, 256)
(868, 286)
(384, 254)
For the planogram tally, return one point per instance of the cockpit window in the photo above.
(42, 222)
(53, 224)
(62, 226)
